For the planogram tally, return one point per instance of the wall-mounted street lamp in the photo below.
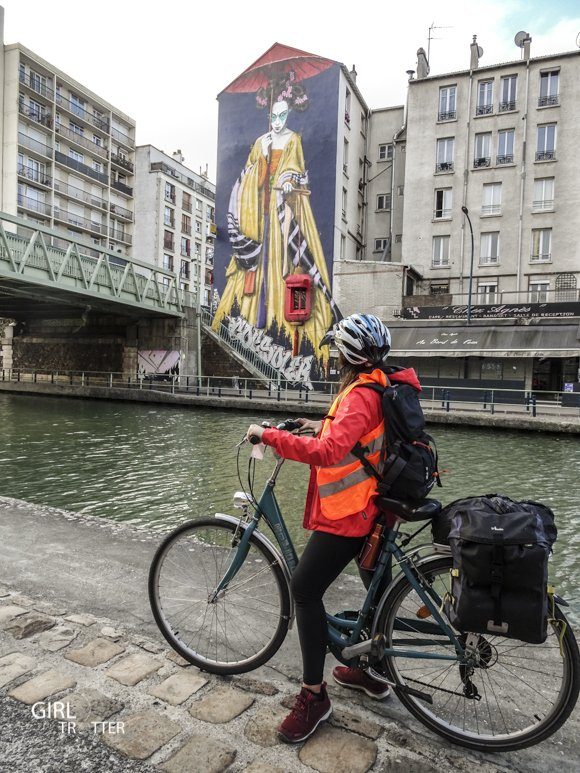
(466, 213)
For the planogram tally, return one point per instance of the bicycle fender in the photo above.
(271, 547)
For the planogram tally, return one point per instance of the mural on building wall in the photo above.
(158, 361)
(275, 210)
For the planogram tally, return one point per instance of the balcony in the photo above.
(508, 158)
(120, 236)
(121, 137)
(121, 161)
(40, 148)
(72, 192)
(34, 114)
(484, 110)
(441, 214)
(542, 205)
(36, 85)
(121, 212)
(506, 107)
(450, 115)
(34, 175)
(549, 101)
(481, 162)
(510, 303)
(491, 209)
(79, 139)
(79, 112)
(33, 205)
(119, 186)
(444, 166)
(546, 155)
(71, 218)
(80, 167)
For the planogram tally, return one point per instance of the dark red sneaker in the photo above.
(357, 679)
(308, 712)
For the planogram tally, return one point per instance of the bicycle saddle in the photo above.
(410, 511)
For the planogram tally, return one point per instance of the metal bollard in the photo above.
(492, 404)
(278, 398)
(219, 391)
(534, 406)
(306, 395)
(527, 401)
(250, 394)
(447, 396)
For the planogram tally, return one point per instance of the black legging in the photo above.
(323, 559)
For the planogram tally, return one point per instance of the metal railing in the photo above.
(35, 145)
(78, 166)
(121, 161)
(450, 115)
(484, 110)
(545, 155)
(481, 161)
(504, 107)
(81, 140)
(541, 204)
(119, 211)
(72, 218)
(549, 101)
(35, 175)
(38, 116)
(36, 85)
(563, 295)
(121, 236)
(507, 158)
(72, 192)
(79, 111)
(119, 186)
(120, 136)
(444, 166)
(441, 214)
(34, 205)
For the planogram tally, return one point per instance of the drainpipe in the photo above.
(465, 181)
(523, 175)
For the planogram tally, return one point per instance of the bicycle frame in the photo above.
(344, 633)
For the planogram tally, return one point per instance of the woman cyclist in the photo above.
(340, 506)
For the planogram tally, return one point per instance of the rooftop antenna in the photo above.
(520, 39)
(431, 37)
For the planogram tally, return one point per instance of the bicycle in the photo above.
(220, 593)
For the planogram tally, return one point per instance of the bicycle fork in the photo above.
(238, 559)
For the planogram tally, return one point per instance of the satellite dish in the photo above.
(578, 40)
(520, 37)
(479, 52)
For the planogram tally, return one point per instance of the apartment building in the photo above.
(175, 218)
(67, 158)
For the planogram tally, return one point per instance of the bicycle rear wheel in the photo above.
(526, 691)
(245, 625)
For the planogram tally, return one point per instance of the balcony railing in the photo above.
(84, 142)
(80, 112)
(119, 211)
(121, 236)
(441, 214)
(444, 166)
(482, 161)
(71, 218)
(549, 101)
(122, 187)
(121, 161)
(491, 209)
(484, 110)
(545, 155)
(505, 107)
(508, 158)
(541, 257)
(36, 85)
(186, 207)
(35, 175)
(542, 204)
(34, 205)
(120, 136)
(38, 116)
(73, 192)
(78, 166)
(35, 145)
(450, 115)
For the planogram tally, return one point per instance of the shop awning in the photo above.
(488, 341)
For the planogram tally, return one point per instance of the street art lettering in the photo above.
(296, 370)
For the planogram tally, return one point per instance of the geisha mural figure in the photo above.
(273, 234)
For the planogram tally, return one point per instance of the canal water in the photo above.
(156, 467)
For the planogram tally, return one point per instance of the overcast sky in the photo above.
(164, 63)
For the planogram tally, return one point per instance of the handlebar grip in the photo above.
(254, 440)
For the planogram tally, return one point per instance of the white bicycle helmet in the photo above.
(362, 339)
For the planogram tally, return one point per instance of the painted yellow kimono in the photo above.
(250, 214)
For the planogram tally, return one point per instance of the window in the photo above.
(443, 203)
(440, 251)
(489, 248)
(549, 86)
(198, 226)
(97, 140)
(76, 156)
(491, 369)
(398, 238)
(168, 262)
(400, 190)
(484, 98)
(97, 166)
(184, 269)
(170, 192)
(491, 204)
(445, 151)
(566, 285)
(487, 292)
(77, 105)
(342, 246)
(505, 146)
(185, 246)
(186, 202)
(197, 250)
(381, 244)
(546, 142)
(482, 151)
(539, 291)
(541, 245)
(543, 194)
(186, 224)
(447, 106)
(345, 157)
(344, 202)
(209, 210)
(198, 205)
(363, 124)
(168, 240)
(386, 152)
(75, 128)
(347, 108)
(508, 88)
(438, 288)
(383, 201)
(169, 217)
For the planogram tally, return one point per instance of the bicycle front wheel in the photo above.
(519, 693)
(245, 624)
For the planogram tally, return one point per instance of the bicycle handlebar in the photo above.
(289, 425)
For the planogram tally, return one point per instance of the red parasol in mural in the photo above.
(277, 60)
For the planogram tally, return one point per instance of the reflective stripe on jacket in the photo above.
(346, 487)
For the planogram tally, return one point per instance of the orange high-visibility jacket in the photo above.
(346, 487)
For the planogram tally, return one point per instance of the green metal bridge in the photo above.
(46, 272)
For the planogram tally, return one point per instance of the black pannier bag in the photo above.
(408, 468)
(500, 551)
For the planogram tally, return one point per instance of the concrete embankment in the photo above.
(75, 626)
(550, 422)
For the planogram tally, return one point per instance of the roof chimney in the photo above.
(527, 42)
(353, 73)
(178, 156)
(476, 52)
(422, 64)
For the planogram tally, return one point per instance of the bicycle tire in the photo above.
(273, 611)
(543, 655)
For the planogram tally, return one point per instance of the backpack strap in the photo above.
(370, 469)
(496, 577)
(436, 454)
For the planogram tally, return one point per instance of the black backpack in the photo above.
(500, 549)
(408, 467)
